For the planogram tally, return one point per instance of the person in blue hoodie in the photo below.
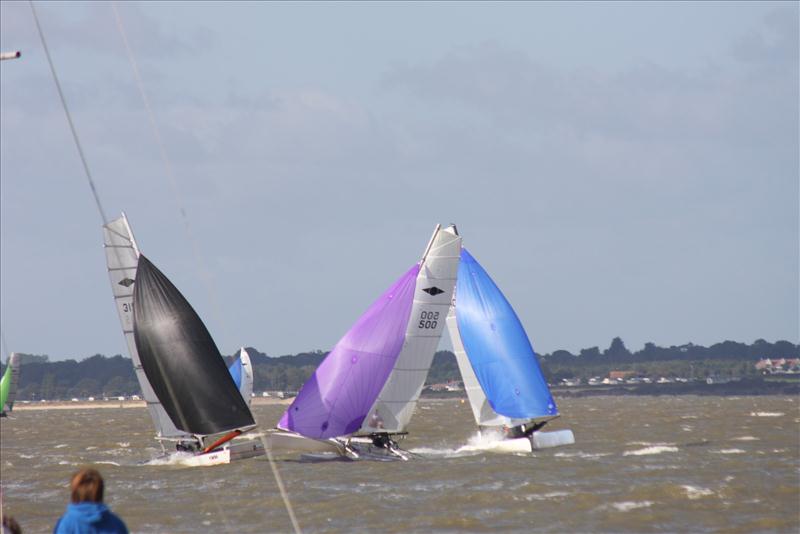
(87, 514)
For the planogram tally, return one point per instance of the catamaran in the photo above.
(242, 373)
(363, 394)
(507, 392)
(190, 394)
(8, 384)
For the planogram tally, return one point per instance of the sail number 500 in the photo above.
(428, 319)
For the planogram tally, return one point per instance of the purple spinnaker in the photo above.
(335, 400)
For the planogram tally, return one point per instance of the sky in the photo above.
(620, 169)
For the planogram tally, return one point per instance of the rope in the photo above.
(173, 183)
(69, 116)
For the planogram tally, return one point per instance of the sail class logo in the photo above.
(433, 291)
(127, 282)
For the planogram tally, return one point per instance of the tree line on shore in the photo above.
(100, 376)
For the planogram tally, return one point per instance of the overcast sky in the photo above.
(621, 169)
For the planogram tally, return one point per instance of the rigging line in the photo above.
(173, 183)
(205, 273)
(67, 113)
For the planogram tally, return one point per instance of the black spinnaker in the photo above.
(181, 360)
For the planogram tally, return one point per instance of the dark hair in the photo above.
(87, 485)
(11, 524)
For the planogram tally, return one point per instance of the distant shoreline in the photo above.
(103, 404)
(744, 387)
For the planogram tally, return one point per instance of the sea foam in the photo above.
(695, 492)
(655, 449)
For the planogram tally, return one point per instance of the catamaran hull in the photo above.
(285, 442)
(230, 453)
(537, 441)
(219, 457)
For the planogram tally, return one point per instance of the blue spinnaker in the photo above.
(236, 372)
(498, 348)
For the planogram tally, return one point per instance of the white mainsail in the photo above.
(122, 256)
(433, 295)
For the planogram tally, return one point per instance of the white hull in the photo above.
(218, 457)
(287, 442)
(537, 441)
(238, 450)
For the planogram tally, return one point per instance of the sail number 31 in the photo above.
(428, 319)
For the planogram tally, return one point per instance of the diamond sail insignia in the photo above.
(501, 373)
(433, 291)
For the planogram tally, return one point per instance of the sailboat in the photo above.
(190, 394)
(242, 373)
(363, 394)
(8, 384)
(507, 392)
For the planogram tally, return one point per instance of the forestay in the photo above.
(500, 370)
(433, 294)
(122, 257)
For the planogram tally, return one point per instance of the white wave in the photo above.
(779, 451)
(655, 449)
(27, 456)
(627, 506)
(581, 454)
(729, 451)
(689, 417)
(687, 428)
(123, 444)
(91, 448)
(746, 438)
(547, 496)
(696, 492)
(107, 462)
(767, 414)
(444, 452)
(64, 462)
(60, 446)
(176, 458)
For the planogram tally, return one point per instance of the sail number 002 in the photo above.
(428, 319)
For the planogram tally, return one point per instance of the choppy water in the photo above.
(661, 464)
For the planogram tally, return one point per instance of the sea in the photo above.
(639, 464)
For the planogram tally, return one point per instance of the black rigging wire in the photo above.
(69, 116)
